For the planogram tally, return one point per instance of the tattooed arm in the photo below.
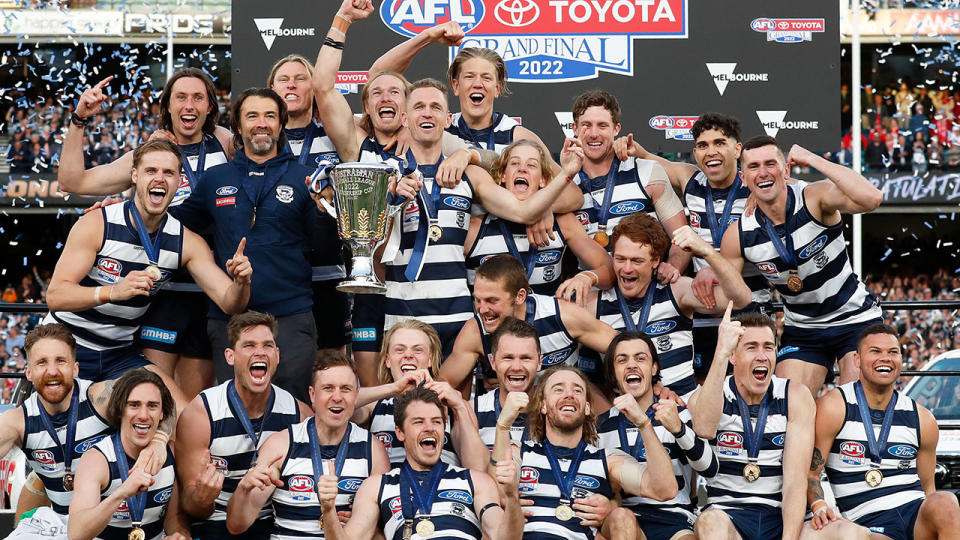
(830, 417)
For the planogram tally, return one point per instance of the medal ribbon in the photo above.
(412, 491)
(531, 260)
(715, 229)
(240, 412)
(472, 133)
(604, 210)
(429, 202)
(339, 460)
(138, 502)
(67, 449)
(622, 428)
(150, 248)
(752, 437)
(786, 252)
(310, 133)
(194, 175)
(875, 445)
(564, 481)
(644, 313)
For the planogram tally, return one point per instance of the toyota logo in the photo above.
(516, 12)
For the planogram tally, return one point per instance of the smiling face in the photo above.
(523, 174)
(334, 396)
(259, 125)
(51, 368)
(717, 155)
(764, 172)
(385, 103)
(254, 357)
(189, 107)
(596, 128)
(292, 82)
(142, 414)
(633, 368)
(494, 303)
(408, 350)
(880, 359)
(565, 401)
(517, 362)
(426, 115)
(754, 359)
(477, 87)
(422, 434)
(634, 265)
(156, 178)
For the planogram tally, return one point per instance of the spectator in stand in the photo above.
(934, 153)
(951, 156)
(9, 294)
(920, 124)
(846, 106)
(903, 101)
(924, 100)
(876, 156)
(4, 355)
(876, 112)
(919, 158)
(900, 156)
(14, 338)
(19, 156)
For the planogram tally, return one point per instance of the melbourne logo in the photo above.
(674, 127)
(724, 73)
(271, 28)
(566, 123)
(548, 40)
(773, 122)
(788, 30)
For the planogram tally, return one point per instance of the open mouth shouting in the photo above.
(764, 184)
(633, 380)
(336, 411)
(258, 371)
(157, 193)
(883, 369)
(429, 442)
(387, 113)
(569, 406)
(713, 165)
(291, 97)
(521, 184)
(141, 430)
(760, 373)
(476, 98)
(517, 382)
(427, 125)
(189, 121)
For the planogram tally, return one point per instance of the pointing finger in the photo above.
(729, 310)
(243, 244)
(101, 84)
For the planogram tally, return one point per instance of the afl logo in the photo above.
(485, 258)
(301, 486)
(626, 207)
(548, 257)
(350, 485)
(730, 440)
(902, 451)
(583, 217)
(586, 482)
(763, 25)
(163, 496)
(852, 449)
(44, 458)
(457, 202)
(223, 191)
(694, 219)
(768, 268)
(122, 511)
(395, 505)
(386, 439)
(529, 475)
(110, 266)
(814, 247)
(219, 463)
(410, 17)
(660, 327)
(87, 444)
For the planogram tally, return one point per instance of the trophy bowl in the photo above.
(361, 204)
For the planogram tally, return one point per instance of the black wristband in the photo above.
(330, 42)
(77, 121)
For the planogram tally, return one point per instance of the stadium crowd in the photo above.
(489, 390)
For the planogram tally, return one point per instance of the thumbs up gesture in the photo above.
(238, 266)
(327, 488)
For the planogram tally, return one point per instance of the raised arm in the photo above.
(732, 286)
(193, 461)
(678, 173)
(398, 59)
(333, 107)
(467, 351)
(230, 295)
(594, 257)
(706, 404)
(498, 523)
(89, 514)
(697, 451)
(653, 479)
(465, 430)
(669, 212)
(585, 328)
(829, 421)
(797, 456)
(849, 192)
(107, 179)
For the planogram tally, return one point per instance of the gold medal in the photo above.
(873, 477)
(136, 534)
(794, 283)
(601, 238)
(751, 472)
(436, 233)
(564, 512)
(153, 272)
(68, 482)
(425, 528)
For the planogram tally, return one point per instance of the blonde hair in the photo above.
(500, 165)
(490, 55)
(365, 123)
(537, 420)
(383, 372)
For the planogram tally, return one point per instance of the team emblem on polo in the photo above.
(285, 194)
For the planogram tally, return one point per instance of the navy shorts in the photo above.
(217, 530)
(99, 366)
(331, 312)
(176, 323)
(756, 521)
(658, 524)
(820, 346)
(897, 523)
(367, 322)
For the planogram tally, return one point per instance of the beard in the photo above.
(254, 146)
(562, 424)
(54, 395)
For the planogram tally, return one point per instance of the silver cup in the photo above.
(361, 203)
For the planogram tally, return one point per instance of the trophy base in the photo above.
(359, 285)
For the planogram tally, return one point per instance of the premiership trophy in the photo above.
(361, 204)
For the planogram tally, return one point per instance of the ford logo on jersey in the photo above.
(548, 257)
(778, 440)
(350, 484)
(814, 247)
(83, 446)
(410, 17)
(163, 496)
(459, 203)
(556, 357)
(586, 482)
(626, 207)
(456, 495)
(902, 451)
(660, 327)
(223, 191)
